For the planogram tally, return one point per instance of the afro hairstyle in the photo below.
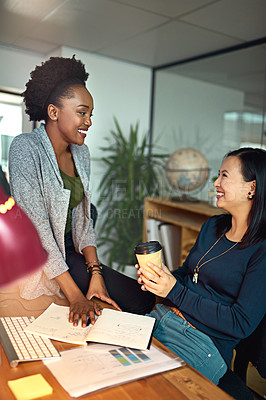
(46, 78)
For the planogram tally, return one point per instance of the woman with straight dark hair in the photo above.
(218, 296)
(253, 169)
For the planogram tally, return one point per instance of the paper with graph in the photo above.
(107, 366)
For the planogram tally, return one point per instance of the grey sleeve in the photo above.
(27, 187)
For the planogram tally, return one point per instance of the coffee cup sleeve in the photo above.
(154, 258)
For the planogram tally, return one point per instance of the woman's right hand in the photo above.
(82, 308)
(160, 282)
(79, 306)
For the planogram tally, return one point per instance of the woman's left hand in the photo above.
(98, 289)
(160, 283)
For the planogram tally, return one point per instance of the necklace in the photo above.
(197, 268)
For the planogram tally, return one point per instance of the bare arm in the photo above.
(97, 286)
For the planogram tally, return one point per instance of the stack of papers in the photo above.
(98, 366)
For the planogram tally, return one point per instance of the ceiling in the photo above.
(145, 32)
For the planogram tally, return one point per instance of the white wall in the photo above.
(15, 68)
(189, 113)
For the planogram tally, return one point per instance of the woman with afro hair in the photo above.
(49, 172)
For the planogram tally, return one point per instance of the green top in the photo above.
(76, 195)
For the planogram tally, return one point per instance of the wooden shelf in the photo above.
(189, 216)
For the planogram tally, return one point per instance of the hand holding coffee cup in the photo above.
(149, 252)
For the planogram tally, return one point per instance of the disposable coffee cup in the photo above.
(149, 252)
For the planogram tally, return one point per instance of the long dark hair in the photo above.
(253, 167)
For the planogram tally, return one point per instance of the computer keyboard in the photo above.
(20, 346)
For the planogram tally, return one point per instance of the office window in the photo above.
(249, 125)
(10, 123)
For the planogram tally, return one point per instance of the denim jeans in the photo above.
(192, 345)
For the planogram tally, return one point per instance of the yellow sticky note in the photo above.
(30, 387)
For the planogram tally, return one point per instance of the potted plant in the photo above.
(131, 174)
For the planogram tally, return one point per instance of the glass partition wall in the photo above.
(213, 103)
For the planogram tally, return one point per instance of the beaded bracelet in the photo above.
(91, 262)
(97, 272)
(90, 267)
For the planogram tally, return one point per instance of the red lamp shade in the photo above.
(21, 251)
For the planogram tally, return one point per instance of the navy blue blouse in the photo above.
(229, 300)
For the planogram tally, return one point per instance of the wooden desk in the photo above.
(184, 383)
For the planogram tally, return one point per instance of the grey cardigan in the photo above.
(38, 188)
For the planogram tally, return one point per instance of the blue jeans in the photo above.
(192, 345)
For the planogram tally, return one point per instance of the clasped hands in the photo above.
(160, 282)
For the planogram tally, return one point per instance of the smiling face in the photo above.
(72, 118)
(232, 190)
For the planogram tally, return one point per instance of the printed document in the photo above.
(111, 327)
(98, 366)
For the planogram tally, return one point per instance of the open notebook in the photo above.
(111, 327)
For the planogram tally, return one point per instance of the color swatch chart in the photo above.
(128, 357)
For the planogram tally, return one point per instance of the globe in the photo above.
(187, 169)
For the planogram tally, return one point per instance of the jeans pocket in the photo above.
(205, 357)
(202, 347)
